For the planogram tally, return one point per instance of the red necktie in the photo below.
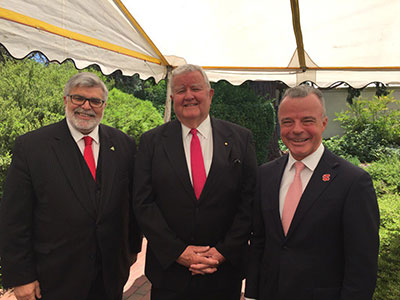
(292, 197)
(197, 164)
(88, 155)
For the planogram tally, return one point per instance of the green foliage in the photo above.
(155, 93)
(371, 129)
(240, 105)
(31, 96)
(386, 177)
(388, 283)
(129, 114)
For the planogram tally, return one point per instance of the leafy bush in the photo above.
(240, 105)
(386, 177)
(388, 283)
(129, 114)
(31, 96)
(371, 129)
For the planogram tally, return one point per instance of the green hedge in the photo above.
(240, 105)
(386, 176)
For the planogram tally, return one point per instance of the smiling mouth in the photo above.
(190, 104)
(84, 115)
(300, 140)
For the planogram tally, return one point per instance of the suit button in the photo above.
(284, 247)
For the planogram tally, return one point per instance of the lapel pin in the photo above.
(112, 148)
(326, 177)
(226, 143)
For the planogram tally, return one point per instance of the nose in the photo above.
(188, 94)
(297, 128)
(86, 105)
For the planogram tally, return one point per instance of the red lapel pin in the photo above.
(326, 177)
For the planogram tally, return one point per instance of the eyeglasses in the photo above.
(80, 100)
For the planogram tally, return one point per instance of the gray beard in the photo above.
(83, 126)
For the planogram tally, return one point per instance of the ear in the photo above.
(324, 122)
(211, 94)
(65, 100)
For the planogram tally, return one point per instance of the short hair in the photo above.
(302, 91)
(85, 79)
(187, 69)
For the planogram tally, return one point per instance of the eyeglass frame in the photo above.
(86, 99)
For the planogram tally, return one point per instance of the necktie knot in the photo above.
(88, 140)
(193, 131)
(299, 166)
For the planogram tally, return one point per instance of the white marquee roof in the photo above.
(289, 40)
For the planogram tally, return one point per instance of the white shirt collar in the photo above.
(204, 128)
(77, 135)
(311, 161)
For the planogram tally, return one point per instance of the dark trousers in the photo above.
(192, 293)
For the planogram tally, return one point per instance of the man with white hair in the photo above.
(194, 185)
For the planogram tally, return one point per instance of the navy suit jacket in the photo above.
(172, 218)
(331, 249)
(51, 225)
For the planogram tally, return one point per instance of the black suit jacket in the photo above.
(331, 249)
(51, 228)
(172, 218)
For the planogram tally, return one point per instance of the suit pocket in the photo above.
(326, 293)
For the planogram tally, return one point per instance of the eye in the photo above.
(95, 101)
(308, 121)
(78, 98)
(286, 122)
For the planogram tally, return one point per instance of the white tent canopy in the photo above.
(289, 40)
(89, 32)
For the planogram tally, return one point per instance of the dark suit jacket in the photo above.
(331, 249)
(50, 228)
(172, 218)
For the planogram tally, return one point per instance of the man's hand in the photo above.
(194, 256)
(211, 253)
(29, 291)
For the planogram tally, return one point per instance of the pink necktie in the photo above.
(197, 164)
(292, 197)
(88, 155)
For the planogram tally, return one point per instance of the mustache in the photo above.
(88, 112)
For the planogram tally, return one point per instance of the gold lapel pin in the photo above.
(226, 143)
(112, 148)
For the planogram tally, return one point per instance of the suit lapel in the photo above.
(222, 148)
(273, 188)
(323, 175)
(67, 153)
(173, 145)
(108, 155)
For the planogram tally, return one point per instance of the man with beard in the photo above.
(66, 227)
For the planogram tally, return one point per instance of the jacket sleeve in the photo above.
(163, 241)
(361, 240)
(236, 238)
(257, 244)
(16, 216)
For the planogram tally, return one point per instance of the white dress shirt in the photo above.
(78, 138)
(310, 163)
(204, 132)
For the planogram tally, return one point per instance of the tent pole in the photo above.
(298, 34)
(167, 110)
